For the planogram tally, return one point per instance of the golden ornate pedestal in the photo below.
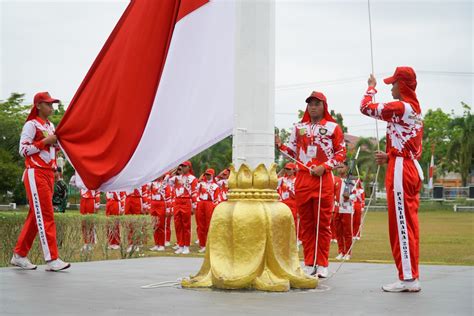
(252, 240)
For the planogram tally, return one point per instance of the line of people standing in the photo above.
(178, 195)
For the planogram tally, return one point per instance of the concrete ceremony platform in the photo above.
(114, 288)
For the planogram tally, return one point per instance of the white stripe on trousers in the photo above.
(401, 219)
(35, 199)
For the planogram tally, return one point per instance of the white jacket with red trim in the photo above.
(286, 188)
(209, 191)
(224, 189)
(346, 206)
(35, 152)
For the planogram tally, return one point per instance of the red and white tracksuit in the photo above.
(403, 178)
(315, 144)
(38, 179)
(286, 191)
(90, 202)
(359, 205)
(184, 195)
(133, 206)
(208, 197)
(345, 212)
(113, 208)
(134, 202)
(160, 210)
(224, 189)
(335, 209)
(146, 198)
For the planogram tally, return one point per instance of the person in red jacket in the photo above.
(403, 176)
(208, 197)
(223, 182)
(112, 208)
(286, 191)
(345, 197)
(133, 206)
(317, 143)
(88, 206)
(38, 146)
(160, 208)
(146, 199)
(169, 213)
(359, 204)
(184, 194)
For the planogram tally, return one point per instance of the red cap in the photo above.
(39, 97)
(320, 96)
(210, 171)
(44, 97)
(187, 163)
(290, 165)
(406, 78)
(406, 74)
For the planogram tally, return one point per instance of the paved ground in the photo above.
(114, 288)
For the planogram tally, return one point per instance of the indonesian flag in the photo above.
(160, 91)
(430, 181)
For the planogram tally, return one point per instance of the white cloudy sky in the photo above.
(320, 45)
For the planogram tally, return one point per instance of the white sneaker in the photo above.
(175, 247)
(185, 250)
(154, 248)
(113, 247)
(339, 256)
(300, 242)
(308, 270)
(167, 244)
(322, 272)
(203, 249)
(22, 262)
(402, 286)
(197, 242)
(160, 248)
(357, 238)
(57, 265)
(179, 251)
(334, 241)
(346, 257)
(130, 248)
(85, 248)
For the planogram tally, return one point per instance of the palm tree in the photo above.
(366, 162)
(461, 148)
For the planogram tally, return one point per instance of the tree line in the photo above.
(450, 135)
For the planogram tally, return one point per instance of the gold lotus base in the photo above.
(252, 241)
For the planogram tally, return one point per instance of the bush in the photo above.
(70, 231)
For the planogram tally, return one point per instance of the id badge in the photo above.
(312, 151)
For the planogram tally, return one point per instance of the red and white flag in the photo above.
(160, 91)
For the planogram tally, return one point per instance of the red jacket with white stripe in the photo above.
(404, 125)
(316, 144)
(36, 153)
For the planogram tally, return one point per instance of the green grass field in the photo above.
(446, 238)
